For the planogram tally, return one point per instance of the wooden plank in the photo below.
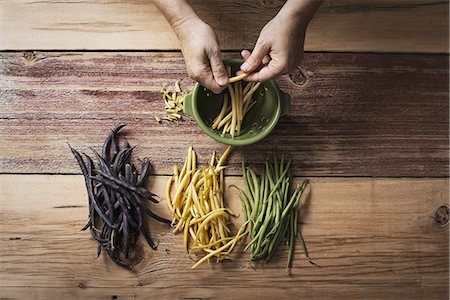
(235, 292)
(354, 114)
(354, 25)
(373, 238)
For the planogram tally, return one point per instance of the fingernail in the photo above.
(222, 81)
(245, 66)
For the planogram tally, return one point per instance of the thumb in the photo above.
(218, 68)
(255, 59)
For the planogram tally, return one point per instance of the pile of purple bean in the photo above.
(117, 199)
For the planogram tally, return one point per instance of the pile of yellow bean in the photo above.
(173, 103)
(232, 114)
(195, 198)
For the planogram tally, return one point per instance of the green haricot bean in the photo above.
(277, 224)
(277, 238)
(305, 250)
(280, 179)
(253, 189)
(294, 199)
(273, 212)
(256, 194)
(248, 185)
(276, 166)
(295, 212)
(291, 239)
(245, 202)
(262, 205)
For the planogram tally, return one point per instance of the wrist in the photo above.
(300, 12)
(182, 24)
(176, 12)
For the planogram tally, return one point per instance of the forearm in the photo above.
(176, 12)
(301, 11)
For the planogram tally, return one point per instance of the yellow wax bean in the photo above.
(237, 78)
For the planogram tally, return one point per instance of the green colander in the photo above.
(261, 119)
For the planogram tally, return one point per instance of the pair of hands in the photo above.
(278, 51)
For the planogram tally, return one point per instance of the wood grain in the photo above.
(353, 114)
(373, 238)
(311, 291)
(344, 25)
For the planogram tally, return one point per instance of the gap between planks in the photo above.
(240, 175)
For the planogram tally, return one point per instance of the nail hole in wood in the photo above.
(81, 285)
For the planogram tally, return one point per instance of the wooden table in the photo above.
(369, 127)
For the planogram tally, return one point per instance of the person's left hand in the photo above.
(278, 50)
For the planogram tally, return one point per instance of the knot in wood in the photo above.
(29, 55)
(300, 76)
(441, 215)
(272, 3)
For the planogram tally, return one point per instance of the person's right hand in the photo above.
(202, 54)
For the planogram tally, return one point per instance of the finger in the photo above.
(245, 54)
(204, 76)
(266, 73)
(262, 75)
(266, 59)
(264, 62)
(210, 83)
(218, 68)
(255, 59)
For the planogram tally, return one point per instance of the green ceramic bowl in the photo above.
(271, 104)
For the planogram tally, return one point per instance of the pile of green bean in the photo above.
(271, 210)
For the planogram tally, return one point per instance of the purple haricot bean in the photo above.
(116, 197)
